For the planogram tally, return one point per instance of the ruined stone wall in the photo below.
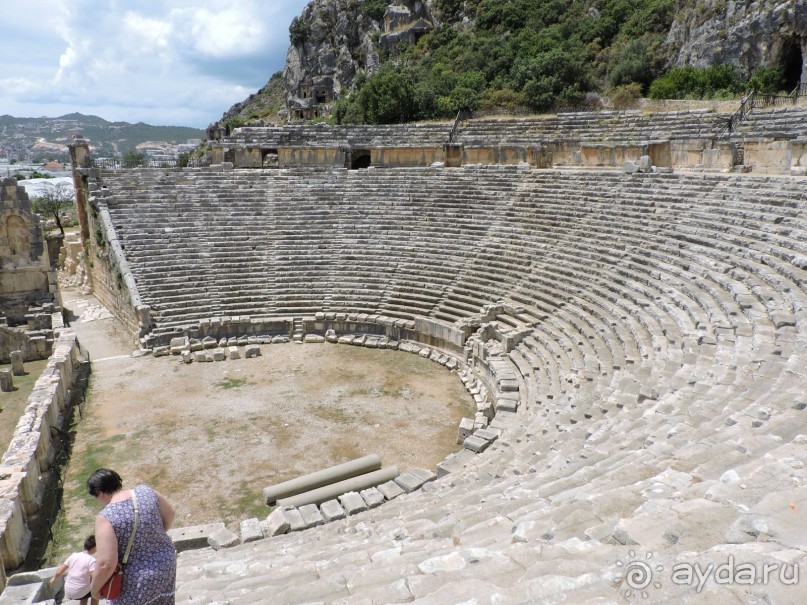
(25, 466)
(112, 282)
(26, 278)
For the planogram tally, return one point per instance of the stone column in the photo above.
(6, 381)
(17, 367)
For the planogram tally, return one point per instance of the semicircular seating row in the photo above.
(665, 371)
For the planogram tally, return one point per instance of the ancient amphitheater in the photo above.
(627, 290)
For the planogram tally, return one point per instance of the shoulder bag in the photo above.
(112, 587)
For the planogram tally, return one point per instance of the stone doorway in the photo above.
(791, 61)
(359, 158)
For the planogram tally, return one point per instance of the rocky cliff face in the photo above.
(748, 33)
(331, 42)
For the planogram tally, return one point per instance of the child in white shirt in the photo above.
(79, 567)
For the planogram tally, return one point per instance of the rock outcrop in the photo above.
(331, 42)
(749, 34)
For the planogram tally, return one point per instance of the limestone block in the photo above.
(313, 339)
(196, 536)
(278, 340)
(311, 515)
(423, 474)
(219, 355)
(252, 351)
(645, 165)
(294, 519)
(353, 503)
(372, 497)
(487, 434)
(195, 344)
(187, 356)
(506, 405)
(179, 344)
(232, 341)
(276, 524)
(160, 351)
(202, 357)
(465, 430)
(6, 381)
(409, 482)
(630, 167)
(330, 336)
(251, 530)
(209, 342)
(332, 510)
(222, 343)
(476, 444)
(222, 538)
(233, 353)
(17, 367)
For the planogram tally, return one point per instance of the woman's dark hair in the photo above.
(89, 543)
(104, 481)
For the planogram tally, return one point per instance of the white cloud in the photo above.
(168, 61)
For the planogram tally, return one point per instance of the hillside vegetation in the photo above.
(537, 56)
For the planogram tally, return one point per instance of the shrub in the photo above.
(506, 99)
(701, 83)
(766, 80)
(626, 95)
(633, 66)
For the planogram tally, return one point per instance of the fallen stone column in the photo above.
(334, 490)
(326, 476)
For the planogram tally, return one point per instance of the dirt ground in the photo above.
(211, 436)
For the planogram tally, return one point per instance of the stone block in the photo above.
(233, 353)
(202, 357)
(423, 474)
(465, 430)
(294, 519)
(487, 434)
(196, 536)
(645, 165)
(222, 538)
(251, 530)
(506, 405)
(219, 355)
(372, 497)
(311, 515)
(313, 339)
(187, 356)
(353, 503)
(476, 444)
(391, 490)
(630, 167)
(208, 342)
(6, 381)
(332, 510)
(160, 351)
(409, 482)
(330, 336)
(17, 367)
(179, 344)
(252, 351)
(275, 524)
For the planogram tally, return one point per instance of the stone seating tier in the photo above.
(659, 385)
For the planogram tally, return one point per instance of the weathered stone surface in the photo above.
(332, 510)
(294, 519)
(251, 530)
(391, 490)
(311, 515)
(276, 523)
(222, 538)
(353, 503)
(252, 351)
(372, 497)
(196, 536)
(233, 353)
(6, 381)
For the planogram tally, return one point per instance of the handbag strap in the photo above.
(134, 529)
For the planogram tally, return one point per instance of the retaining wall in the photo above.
(31, 452)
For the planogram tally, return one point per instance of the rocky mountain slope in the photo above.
(47, 138)
(336, 45)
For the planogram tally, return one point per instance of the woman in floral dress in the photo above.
(149, 575)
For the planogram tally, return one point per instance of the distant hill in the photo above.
(40, 139)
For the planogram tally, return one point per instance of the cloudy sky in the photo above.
(163, 62)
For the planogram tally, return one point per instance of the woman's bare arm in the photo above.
(106, 554)
(167, 511)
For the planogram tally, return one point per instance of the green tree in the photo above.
(54, 199)
(134, 158)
